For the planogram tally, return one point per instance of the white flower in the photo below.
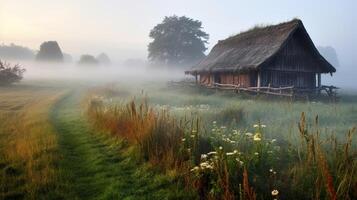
(235, 151)
(263, 126)
(257, 137)
(192, 136)
(271, 170)
(230, 153)
(214, 122)
(240, 162)
(194, 131)
(223, 127)
(274, 192)
(256, 153)
(270, 152)
(195, 169)
(203, 156)
(213, 130)
(183, 139)
(273, 140)
(212, 153)
(220, 148)
(255, 125)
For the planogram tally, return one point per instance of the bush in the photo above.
(10, 74)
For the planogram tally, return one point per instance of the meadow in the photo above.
(237, 147)
(85, 140)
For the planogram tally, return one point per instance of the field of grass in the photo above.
(28, 144)
(151, 141)
(237, 147)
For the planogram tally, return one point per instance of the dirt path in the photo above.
(92, 165)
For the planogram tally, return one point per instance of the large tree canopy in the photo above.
(50, 51)
(177, 41)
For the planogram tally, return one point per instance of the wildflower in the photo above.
(263, 126)
(192, 136)
(213, 130)
(223, 127)
(212, 153)
(273, 140)
(270, 152)
(274, 192)
(183, 139)
(189, 150)
(256, 153)
(195, 169)
(271, 170)
(230, 153)
(194, 131)
(235, 151)
(220, 148)
(203, 156)
(214, 122)
(257, 137)
(255, 125)
(240, 162)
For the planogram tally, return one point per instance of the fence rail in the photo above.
(289, 91)
(280, 91)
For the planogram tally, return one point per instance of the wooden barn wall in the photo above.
(296, 64)
(244, 79)
(205, 79)
(281, 79)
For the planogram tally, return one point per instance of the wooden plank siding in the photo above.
(244, 80)
(295, 65)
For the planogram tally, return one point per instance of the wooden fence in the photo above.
(280, 91)
(290, 91)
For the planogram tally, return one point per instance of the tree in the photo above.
(50, 51)
(103, 59)
(10, 74)
(330, 54)
(88, 60)
(177, 41)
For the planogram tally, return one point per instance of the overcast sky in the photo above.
(120, 28)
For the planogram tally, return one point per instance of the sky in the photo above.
(121, 28)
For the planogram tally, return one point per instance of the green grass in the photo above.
(314, 157)
(95, 166)
(48, 149)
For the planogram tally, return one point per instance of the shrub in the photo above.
(10, 74)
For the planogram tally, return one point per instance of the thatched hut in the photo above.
(276, 56)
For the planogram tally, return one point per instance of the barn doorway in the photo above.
(217, 78)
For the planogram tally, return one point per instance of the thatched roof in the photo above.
(251, 49)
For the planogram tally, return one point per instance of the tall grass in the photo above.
(226, 162)
(156, 134)
(28, 143)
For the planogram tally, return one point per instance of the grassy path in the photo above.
(93, 166)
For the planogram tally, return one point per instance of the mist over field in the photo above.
(226, 100)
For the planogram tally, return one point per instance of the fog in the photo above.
(116, 72)
(121, 28)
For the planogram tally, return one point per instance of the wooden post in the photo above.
(258, 81)
(319, 83)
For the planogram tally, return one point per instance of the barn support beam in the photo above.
(319, 83)
(259, 80)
